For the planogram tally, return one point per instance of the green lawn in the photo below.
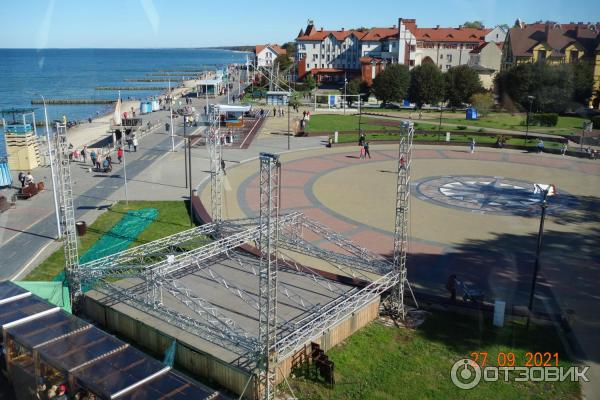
(565, 125)
(334, 122)
(382, 362)
(173, 217)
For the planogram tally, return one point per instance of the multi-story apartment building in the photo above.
(555, 43)
(331, 55)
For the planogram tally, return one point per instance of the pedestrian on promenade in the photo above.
(135, 144)
(129, 143)
(93, 157)
(22, 178)
(29, 179)
(563, 149)
(367, 153)
(120, 154)
(223, 166)
(167, 127)
(420, 114)
(90, 120)
(472, 146)
(99, 163)
(362, 152)
(105, 165)
(84, 154)
(274, 111)
(540, 145)
(361, 139)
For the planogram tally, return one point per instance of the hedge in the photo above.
(548, 119)
(596, 121)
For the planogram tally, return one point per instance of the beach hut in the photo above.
(19, 149)
(209, 87)
(232, 115)
(155, 105)
(278, 98)
(145, 107)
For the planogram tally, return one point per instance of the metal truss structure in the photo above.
(67, 214)
(215, 151)
(150, 277)
(402, 214)
(269, 202)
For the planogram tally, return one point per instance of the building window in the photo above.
(322, 65)
(307, 65)
(411, 63)
(449, 57)
(447, 66)
(574, 55)
(441, 56)
(541, 55)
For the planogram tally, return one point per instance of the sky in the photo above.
(201, 23)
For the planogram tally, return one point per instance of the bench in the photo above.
(30, 190)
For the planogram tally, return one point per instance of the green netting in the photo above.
(119, 237)
(54, 292)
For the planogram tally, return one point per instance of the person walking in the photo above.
(84, 154)
(274, 111)
(29, 179)
(563, 149)
(120, 154)
(135, 144)
(540, 146)
(362, 152)
(22, 178)
(366, 147)
(167, 127)
(93, 157)
(472, 146)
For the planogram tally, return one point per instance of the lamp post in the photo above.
(124, 166)
(171, 116)
(440, 124)
(345, 84)
(190, 179)
(527, 119)
(52, 170)
(545, 190)
(288, 115)
(185, 154)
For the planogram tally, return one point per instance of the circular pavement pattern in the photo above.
(488, 194)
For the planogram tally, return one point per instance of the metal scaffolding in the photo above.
(270, 172)
(402, 213)
(67, 215)
(215, 151)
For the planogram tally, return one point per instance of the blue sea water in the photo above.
(74, 73)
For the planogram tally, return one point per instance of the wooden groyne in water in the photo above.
(131, 88)
(74, 101)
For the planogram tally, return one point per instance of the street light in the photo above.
(531, 98)
(545, 190)
(52, 170)
(440, 125)
(345, 84)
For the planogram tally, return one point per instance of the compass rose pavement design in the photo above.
(488, 194)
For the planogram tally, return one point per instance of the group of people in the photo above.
(60, 392)
(25, 178)
(278, 112)
(364, 146)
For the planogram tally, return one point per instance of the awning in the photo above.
(210, 82)
(232, 108)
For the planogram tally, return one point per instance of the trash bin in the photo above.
(81, 227)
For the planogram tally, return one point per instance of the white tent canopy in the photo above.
(227, 108)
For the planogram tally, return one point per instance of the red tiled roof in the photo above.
(322, 34)
(368, 60)
(478, 49)
(461, 35)
(380, 33)
(276, 48)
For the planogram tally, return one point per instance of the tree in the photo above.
(309, 81)
(556, 88)
(483, 102)
(426, 85)
(461, 83)
(474, 24)
(290, 48)
(392, 83)
(355, 87)
(283, 62)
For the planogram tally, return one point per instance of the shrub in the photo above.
(596, 121)
(461, 127)
(481, 130)
(547, 119)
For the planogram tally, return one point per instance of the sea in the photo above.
(75, 73)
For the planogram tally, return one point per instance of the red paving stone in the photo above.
(426, 154)
(485, 156)
(294, 178)
(532, 159)
(294, 198)
(460, 154)
(418, 247)
(313, 165)
(344, 158)
(332, 222)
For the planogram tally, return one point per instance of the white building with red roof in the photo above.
(265, 54)
(331, 55)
